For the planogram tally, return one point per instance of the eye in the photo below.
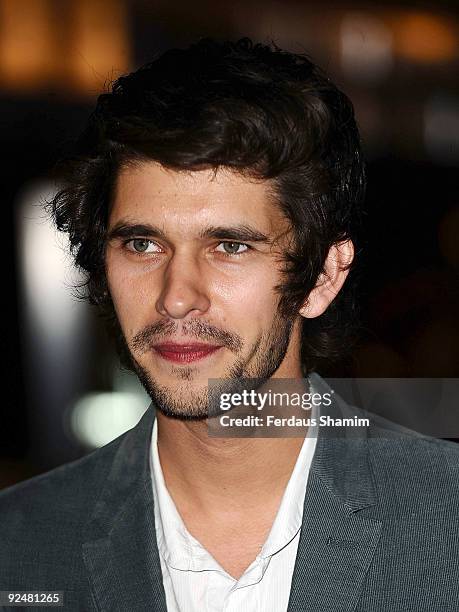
(142, 245)
(232, 248)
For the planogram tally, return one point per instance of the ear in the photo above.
(336, 269)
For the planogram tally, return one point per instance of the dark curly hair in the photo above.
(254, 109)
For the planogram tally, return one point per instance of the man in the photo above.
(214, 203)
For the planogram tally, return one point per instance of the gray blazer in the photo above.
(380, 527)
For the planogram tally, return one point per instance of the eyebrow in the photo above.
(242, 233)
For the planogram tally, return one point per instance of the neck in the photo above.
(211, 473)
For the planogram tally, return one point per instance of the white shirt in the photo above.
(195, 582)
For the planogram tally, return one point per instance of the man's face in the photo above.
(192, 260)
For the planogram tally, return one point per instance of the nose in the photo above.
(183, 290)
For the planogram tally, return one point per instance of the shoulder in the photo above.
(42, 519)
(410, 447)
(413, 471)
(417, 504)
(70, 485)
(45, 521)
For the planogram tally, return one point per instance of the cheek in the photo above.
(132, 297)
(250, 299)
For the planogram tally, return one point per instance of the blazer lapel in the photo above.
(120, 549)
(336, 544)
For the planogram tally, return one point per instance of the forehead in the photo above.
(147, 191)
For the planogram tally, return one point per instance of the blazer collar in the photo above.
(120, 549)
(336, 544)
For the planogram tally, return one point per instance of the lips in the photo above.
(185, 353)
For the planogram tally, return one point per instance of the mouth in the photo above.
(185, 353)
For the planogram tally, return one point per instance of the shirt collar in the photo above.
(289, 517)
(176, 545)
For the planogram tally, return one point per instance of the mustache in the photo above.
(199, 330)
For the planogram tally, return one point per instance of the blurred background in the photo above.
(63, 391)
